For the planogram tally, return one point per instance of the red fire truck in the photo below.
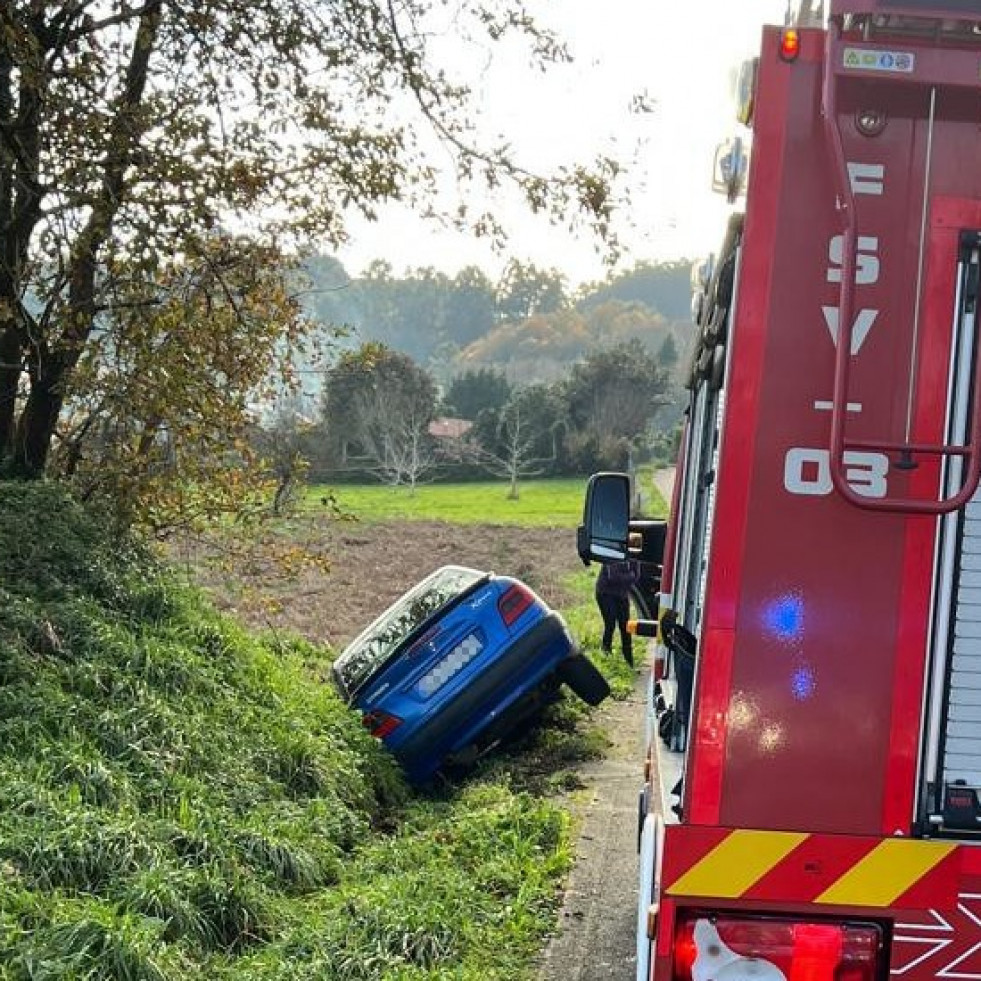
(811, 809)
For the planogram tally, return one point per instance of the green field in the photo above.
(555, 503)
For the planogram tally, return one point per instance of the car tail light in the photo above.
(724, 948)
(380, 724)
(514, 602)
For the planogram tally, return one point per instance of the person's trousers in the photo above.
(615, 611)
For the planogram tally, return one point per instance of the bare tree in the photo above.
(281, 445)
(518, 440)
(379, 402)
(396, 437)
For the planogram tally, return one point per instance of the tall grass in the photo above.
(180, 800)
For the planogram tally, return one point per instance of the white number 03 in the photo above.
(808, 472)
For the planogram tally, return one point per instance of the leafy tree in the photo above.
(538, 349)
(661, 286)
(474, 391)
(471, 306)
(612, 397)
(406, 313)
(546, 345)
(667, 353)
(525, 290)
(158, 414)
(327, 297)
(422, 313)
(378, 406)
(132, 132)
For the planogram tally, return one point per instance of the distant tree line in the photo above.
(382, 416)
(528, 324)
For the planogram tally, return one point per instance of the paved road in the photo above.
(596, 935)
(597, 925)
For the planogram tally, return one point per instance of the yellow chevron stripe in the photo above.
(736, 863)
(891, 868)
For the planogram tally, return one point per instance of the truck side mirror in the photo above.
(605, 529)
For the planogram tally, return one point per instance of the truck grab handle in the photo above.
(970, 451)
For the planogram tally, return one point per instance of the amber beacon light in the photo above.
(790, 44)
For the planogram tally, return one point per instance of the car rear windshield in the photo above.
(368, 653)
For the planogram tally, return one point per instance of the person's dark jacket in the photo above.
(616, 578)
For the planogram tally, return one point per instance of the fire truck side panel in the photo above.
(809, 699)
(809, 725)
(829, 635)
(707, 750)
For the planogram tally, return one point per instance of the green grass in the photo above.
(179, 800)
(549, 503)
(554, 503)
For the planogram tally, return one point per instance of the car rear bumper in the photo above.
(518, 668)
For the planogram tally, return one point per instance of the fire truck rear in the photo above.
(811, 807)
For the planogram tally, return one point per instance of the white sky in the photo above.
(681, 53)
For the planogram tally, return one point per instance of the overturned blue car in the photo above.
(459, 663)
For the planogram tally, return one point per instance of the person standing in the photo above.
(613, 599)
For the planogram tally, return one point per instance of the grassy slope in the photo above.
(179, 800)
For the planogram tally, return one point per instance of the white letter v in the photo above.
(864, 321)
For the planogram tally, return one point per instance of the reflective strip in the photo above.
(890, 869)
(739, 861)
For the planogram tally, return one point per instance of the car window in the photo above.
(371, 649)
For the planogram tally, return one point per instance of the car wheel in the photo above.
(584, 679)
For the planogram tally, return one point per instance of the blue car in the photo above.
(457, 664)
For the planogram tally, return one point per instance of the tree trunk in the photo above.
(37, 422)
(10, 372)
(52, 369)
(282, 495)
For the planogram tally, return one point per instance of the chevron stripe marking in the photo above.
(736, 863)
(891, 868)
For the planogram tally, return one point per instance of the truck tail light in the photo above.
(762, 948)
(380, 724)
(514, 602)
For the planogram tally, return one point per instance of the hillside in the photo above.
(181, 800)
(529, 323)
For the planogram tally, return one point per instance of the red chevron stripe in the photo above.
(810, 868)
(938, 888)
(686, 846)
